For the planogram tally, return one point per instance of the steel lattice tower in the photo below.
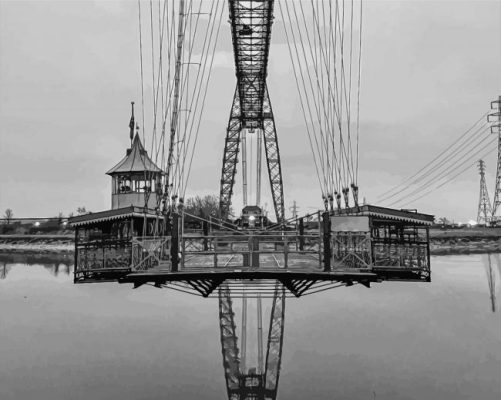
(495, 117)
(484, 204)
(251, 110)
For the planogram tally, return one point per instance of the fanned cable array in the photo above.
(324, 40)
(177, 42)
(458, 157)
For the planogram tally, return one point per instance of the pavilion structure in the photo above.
(105, 240)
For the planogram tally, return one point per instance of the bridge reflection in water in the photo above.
(259, 381)
(360, 246)
(252, 327)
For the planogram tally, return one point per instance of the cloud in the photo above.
(68, 71)
(223, 59)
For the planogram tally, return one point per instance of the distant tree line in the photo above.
(203, 207)
(54, 225)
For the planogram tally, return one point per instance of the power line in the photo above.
(450, 179)
(437, 171)
(423, 171)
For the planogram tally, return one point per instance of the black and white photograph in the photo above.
(250, 199)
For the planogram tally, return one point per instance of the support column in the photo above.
(301, 234)
(243, 346)
(75, 268)
(273, 159)
(205, 227)
(326, 223)
(230, 158)
(496, 129)
(428, 253)
(260, 369)
(174, 249)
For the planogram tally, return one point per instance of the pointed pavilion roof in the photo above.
(135, 160)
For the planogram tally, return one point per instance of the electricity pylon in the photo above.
(484, 205)
(495, 118)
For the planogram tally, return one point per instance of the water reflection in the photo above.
(491, 273)
(393, 341)
(55, 263)
(249, 373)
(4, 270)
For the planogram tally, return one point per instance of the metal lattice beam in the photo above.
(255, 383)
(273, 159)
(275, 343)
(251, 22)
(230, 157)
(231, 362)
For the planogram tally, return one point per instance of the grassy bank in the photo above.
(472, 233)
(36, 243)
(465, 241)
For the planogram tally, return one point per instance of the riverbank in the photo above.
(37, 243)
(442, 242)
(465, 241)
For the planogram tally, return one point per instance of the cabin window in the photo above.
(141, 185)
(124, 184)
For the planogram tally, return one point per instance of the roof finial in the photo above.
(132, 124)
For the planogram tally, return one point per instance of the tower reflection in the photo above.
(490, 271)
(243, 379)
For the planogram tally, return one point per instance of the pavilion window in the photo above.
(158, 186)
(124, 184)
(140, 185)
(136, 185)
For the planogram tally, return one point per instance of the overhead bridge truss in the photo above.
(251, 32)
(251, 22)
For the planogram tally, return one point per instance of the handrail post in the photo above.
(428, 279)
(205, 228)
(174, 249)
(183, 249)
(301, 234)
(214, 245)
(255, 251)
(286, 252)
(76, 258)
(326, 222)
(251, 251)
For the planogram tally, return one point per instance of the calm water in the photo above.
(107, 341)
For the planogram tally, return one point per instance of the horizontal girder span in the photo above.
(251, 32)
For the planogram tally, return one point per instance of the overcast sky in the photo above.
(69, 69)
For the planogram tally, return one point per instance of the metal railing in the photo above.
(351, 250)
(102, 255)
(408, 255)
(282, 250)
(151, 253)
